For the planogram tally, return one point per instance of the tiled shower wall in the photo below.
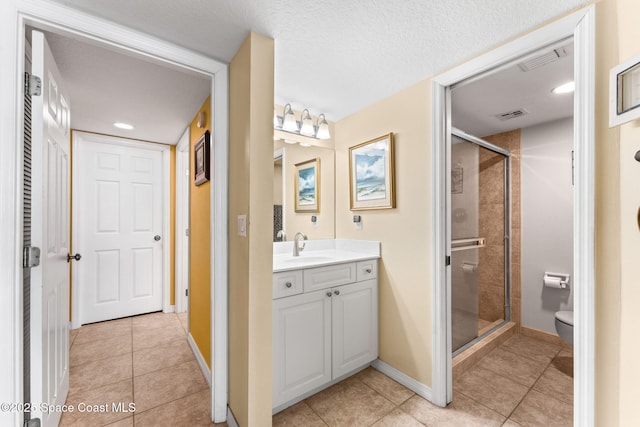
(491, 287)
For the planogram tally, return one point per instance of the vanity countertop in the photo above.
(318, 253)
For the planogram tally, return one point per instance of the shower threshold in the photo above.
(469, 354)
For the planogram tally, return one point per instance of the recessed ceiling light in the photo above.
(125, 126)
(565, 88)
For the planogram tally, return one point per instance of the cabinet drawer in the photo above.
(329, 276)
(366, 270)
(287, 283)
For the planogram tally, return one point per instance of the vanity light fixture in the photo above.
(323, 128)
(306, 124)
(289, 123)
(305, 127)
(565, 88)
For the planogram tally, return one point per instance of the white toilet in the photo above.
(564, 326)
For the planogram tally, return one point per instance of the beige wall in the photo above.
(607, 230)
(250, 258)
(405, 232)
(301, 221)
(629, 45)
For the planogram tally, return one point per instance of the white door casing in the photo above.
(118, 215)
(50, 232)
(182, 223)
(581, 26)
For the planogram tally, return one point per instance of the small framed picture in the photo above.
(307, 186)
(371, 174)
(201, 159)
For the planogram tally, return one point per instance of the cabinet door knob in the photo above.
(329, 294)
(336, 292)
(288, 284)
(368, 271)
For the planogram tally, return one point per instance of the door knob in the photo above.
(76, 257)
(157, 238)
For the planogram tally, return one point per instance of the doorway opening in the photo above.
(580, 26)
(56, 18)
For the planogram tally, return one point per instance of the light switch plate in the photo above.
(242, 225)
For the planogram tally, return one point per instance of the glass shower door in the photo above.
(479, 243)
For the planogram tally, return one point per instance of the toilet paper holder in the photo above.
(556, 280)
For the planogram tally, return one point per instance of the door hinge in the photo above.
(186, 292)
(447, 260)
(30, 256)
(186, 232)
(573, 167)
(33, 422)
(32, 85)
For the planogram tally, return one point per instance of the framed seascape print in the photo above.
(307, 186)
(201, 160)
(371, 173)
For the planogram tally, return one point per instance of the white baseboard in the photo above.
(201, 362)
(170, 309)
(404, 379)
(231, 420)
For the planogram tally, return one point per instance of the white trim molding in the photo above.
(415, 386)
(201, 362)
(581, 26)
(15, 15)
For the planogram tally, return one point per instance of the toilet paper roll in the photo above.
(469, 268)
(553, 282)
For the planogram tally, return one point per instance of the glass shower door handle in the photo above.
(463, 244)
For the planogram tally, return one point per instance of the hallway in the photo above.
(143, 360)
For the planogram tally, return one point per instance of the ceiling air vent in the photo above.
(512, 114)
(544, 59)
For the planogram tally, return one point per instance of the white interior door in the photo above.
(50, 232)
(120, 223)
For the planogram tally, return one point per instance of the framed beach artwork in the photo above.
(201, 159)
(307, 186)
(371, 172)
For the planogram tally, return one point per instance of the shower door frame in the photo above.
(507, 228)
(581, 26)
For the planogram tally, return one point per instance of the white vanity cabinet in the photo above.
(322, 334)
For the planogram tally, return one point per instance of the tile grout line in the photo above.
(533, 385)
(530, 388)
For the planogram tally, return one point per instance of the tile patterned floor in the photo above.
(523, 382)
(144, 360)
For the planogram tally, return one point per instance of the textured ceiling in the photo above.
(337, 56)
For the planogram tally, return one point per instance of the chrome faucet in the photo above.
(296, 240)
(282, 236)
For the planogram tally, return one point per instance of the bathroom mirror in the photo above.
(285, 218)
